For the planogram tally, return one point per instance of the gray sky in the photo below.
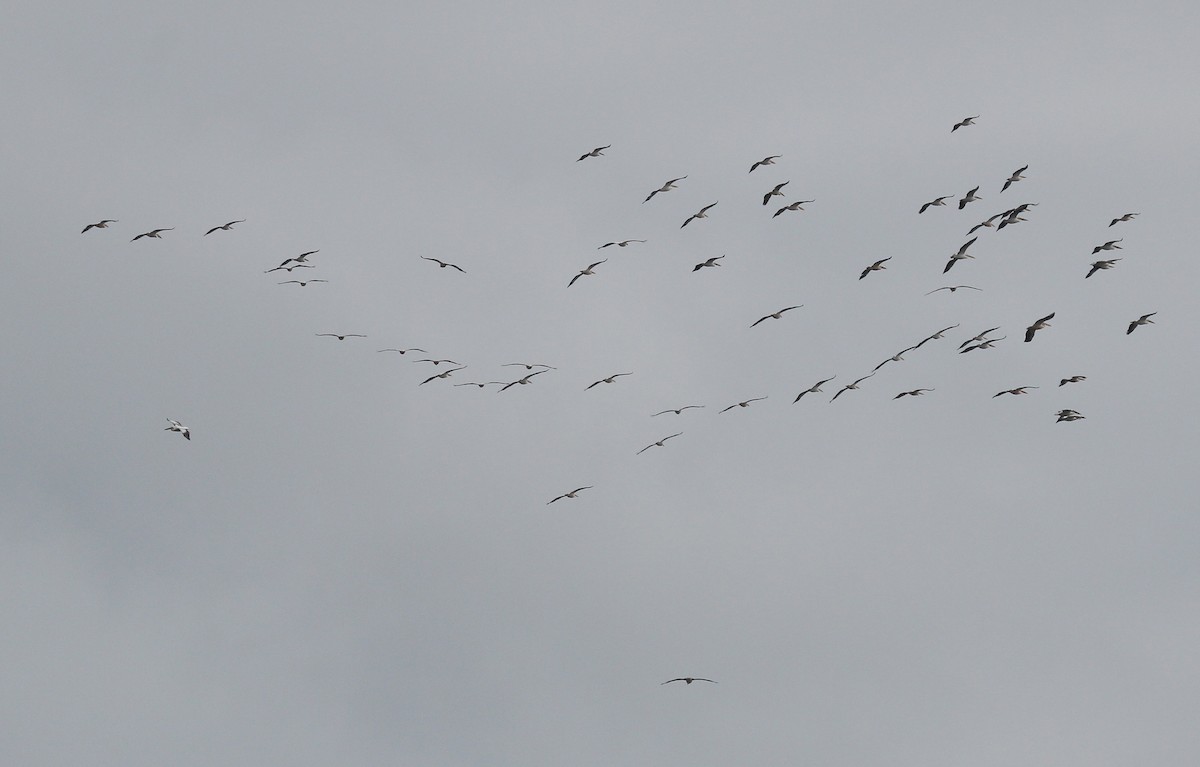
(346, 567)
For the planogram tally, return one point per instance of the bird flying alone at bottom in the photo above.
(177, 426)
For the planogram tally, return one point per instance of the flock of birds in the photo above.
(981, 341)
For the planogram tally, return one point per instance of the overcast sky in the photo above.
(347, 566)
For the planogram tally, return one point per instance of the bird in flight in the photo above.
(875, 267)
(775, 192)
(710, 262)
(1044, 322)
(1143, 320)
(438, 362)
(960, 255)
(343, 336)
(587, 271)
(989, 223)
(1068, 415)
(403, 351)
(443, 374)
(776, 315)
(155, 233)
(964, 122)
(1110, 245)
(897, 357)
(743, 403)
(226, 227)
(100, 224)
(300, 283)
(702, 214)
(1126, 217)
(952, 288)
(664, 188)
(676, 411)
(936, 336)
(1072, 379)
(521, 381)
(969, 197)
(814, 389)
(792, 206)
(289, 269)
(985, 343)
(1018, 390)
(444, 264)
(688, 679)
(177, 426)
(765, 161)
(597, 152)
(939, 202)
(610, 379)
(657, 444)
(573, 494)
(620, 244)
(1099, 265)
(912, 393)
(300, 259)
(477, 383)
(979, 337)
(1014, 178)
(850, 386)
(528, 365)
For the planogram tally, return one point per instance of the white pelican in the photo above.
(443, 264)
(1126, 217)
(664, 188)
(438, 362)
(743, 403)
(1110, 245)
(1044, 322)
(597, 152)
(620, 244)
(1014, 178)
(776, 315)
(849, 386)
(523, 381)
(300, 282)
(610, 379)
(528, 365)
(814, 389)
(289, 269)
(702, 214)
(1068, 415)
(657, 444)
(155, 233)
(1099, 265)
(989, 223)
(177, 426)
(225, 227)
(775, 192)
(938, 203)
(986, 343)
(952, 288)
(588, 270)
(1017, 390)
(960, 255)
(792, 206)
(443, 374)
(937, 336)
(300, 259)
(573, 494)
(100, 224)
(403, 351)
(676, 411)
(969, 197)
(911, 393)
(688, 679)
(875, 267)
(1072, 379)
(897, 357)
(765, 161)
(342, 336)
(710, 262)
(979, 337)
(964, 122)
(1143, 320)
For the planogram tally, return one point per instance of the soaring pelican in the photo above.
(710, 262)
(100, 224)
(1126, 217)
(573, 494)
(969, 197)
(676, 411)
(1044, 322)
(743, 403)
(597, 152)
(952, 288)
(688, 679)
(155, 233)
(610, 379)
(912, 393)
(1099, 265)
(854, 385)
(964, 122)
(1143, 320)
(177, 426)
(657, 444)
(620, 244)
(1017, 390)
(936, 336)
(875, 267)
(523, 381)
(342, 336)
(586, 271)
(1072, 379)
(664, 188)
(814, 389)
(225, 227)
(1014, 178)
(797, 205)
(702, 214)
(960, 255)
(300, 282)
(765, 161)
(1110, 245)
(443, 264)
(775, 192)
(938, 203)
(443, 374)
(776, 315)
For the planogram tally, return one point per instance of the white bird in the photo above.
(443, 374)
(300, 283)
(938, 335)
(664, 188)
(343, 336)
(1143, 320)
(403, 351)
(438, 362)
(897, 357)
(952, 288)
(849, 386)
(912, 393)
(100, 224)
(155, 233)
(688, 679)
(1069, 415)
(1017, 390)
(776, 315)
(710, 262)
(875, 267)
(765, 161)
(289, 269)
(1014, 178)
(1044, 322)
(528, 365)
(597, 152)
(676, 411)
(1072, 379)
(620, 244)
(1110, 245)
(986, 343)
(960, 255)
(443, 264)
(177, 426)
(775, 192)
(702, 214)
(1126, 217)
(610, 379)
(657, 444)
(979, 337)
(573, 494)
(523, 381)
(743, 403)
(477, 383)
(814, 389)
(225, 227)
(964, 122)
(1100, 265)
(300, 259)
(587, 271)
(939, 202)
(989, 223)
(969, 197)
(792, 206)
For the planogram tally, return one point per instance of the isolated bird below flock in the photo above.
(177, 426)
(573, 494)
(664, 188)
(225, 227)
(1100, 265)
(1143, 320)
(710, 262)
(688, 680)
(657, 444)
(765, 161)
(585, 272)
(1044, 322)
(776, 315)
(597, 152)
(743, 403)
(703, 213)
(100, 224)
(155, 233)
(608, 380)
(875, 267)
